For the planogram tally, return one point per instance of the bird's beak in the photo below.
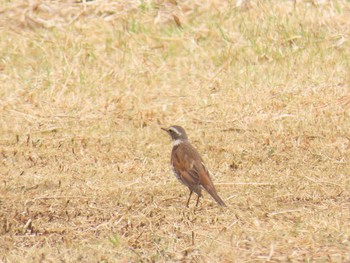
(165, 129)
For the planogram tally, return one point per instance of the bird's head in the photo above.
(177, 133)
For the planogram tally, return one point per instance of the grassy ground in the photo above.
(263, 91)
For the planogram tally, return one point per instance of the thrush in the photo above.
(188, 165)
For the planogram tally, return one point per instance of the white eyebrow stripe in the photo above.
(175, 130)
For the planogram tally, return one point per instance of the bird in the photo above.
(188, 166)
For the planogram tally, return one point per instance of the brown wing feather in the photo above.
(192, 171)
(207, 184)
(183, 166)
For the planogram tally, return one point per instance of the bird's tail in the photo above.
(211, 190)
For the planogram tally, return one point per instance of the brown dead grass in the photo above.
(262, 89)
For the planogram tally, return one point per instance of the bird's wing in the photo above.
(187, 168)
(194, 173)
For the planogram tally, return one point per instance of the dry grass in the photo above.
(262, 89)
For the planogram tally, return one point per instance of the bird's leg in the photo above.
(188, 201)
(197, 201)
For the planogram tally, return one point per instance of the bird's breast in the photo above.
(176, 173)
